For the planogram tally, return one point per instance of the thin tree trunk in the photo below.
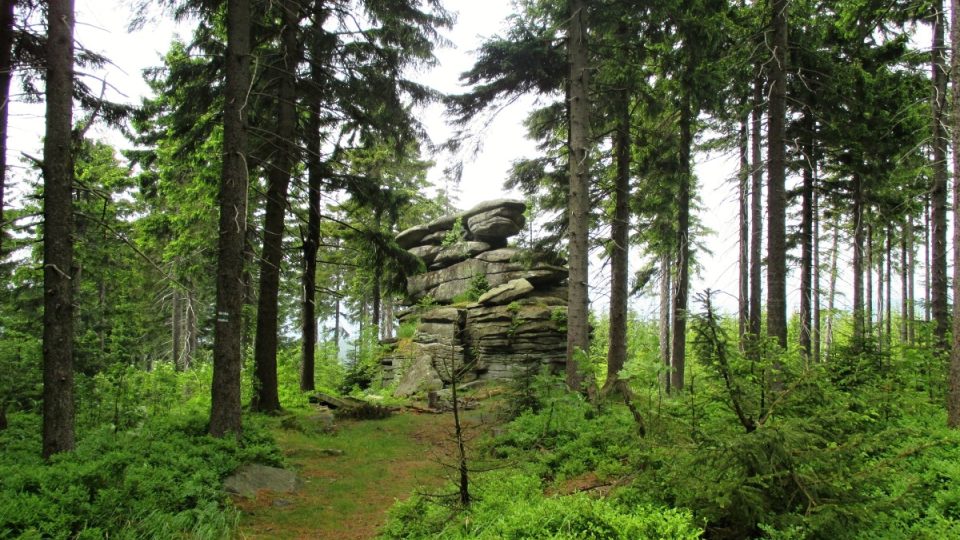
(867, 270)
(619, 253)
(266, 394)
(832, 293)
(911, 286)
(192, 333)
(926, 261)
(176, 324)
(756, 213)
(387, 323)
(816, 337)
(904, 286)
(889, 311)
(228, 332)
(806, 244)
(578, 326)
(58, 270)
(743, 177)
(938, 191)
(666, 301)
(858, 244)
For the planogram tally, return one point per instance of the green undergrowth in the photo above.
(513, 505)
(160, 479)
(854, 448)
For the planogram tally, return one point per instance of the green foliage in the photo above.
(478, 286)
(512, 505)
(363, 365)
(456, 235)
(407, 329)
(160, 480)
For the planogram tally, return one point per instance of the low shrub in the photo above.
(161, 479)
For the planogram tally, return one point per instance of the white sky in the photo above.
(102, 27)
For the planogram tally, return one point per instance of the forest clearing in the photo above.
(262, 266)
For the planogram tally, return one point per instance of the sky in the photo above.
(102, 27)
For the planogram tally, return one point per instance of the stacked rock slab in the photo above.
(518, 323)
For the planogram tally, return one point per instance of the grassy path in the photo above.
(349, 479)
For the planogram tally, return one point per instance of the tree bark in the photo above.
(806, 242)
(867, 269)
(578, 325)
(938, 191)
(58, 270)
(889, 306)
(776, 180)
(666, 301)
(756, 207)
(6, 75)
(743, 188)
(619, 251)
(232, 228)
(266, 394)
(311, 242)
(678, 349)
(953, 382)
(816, 336)
(832, 292)
(176, 323)
(858, 244)
(911, 281)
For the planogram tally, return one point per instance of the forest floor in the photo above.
(351, 477)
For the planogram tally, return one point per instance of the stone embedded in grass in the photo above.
(253, 477)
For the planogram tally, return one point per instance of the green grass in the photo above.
(347, 495)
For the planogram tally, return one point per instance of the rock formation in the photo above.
(482, 310)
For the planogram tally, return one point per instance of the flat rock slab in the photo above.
(253, 477)
(509, 291)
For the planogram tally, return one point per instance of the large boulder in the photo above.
(494, 224)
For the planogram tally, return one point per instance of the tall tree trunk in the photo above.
(6, 75)
(619, 251)
(858, 245)
(666, 301)
(926, 259)
(228, 332)
(578, 325)
(756, 211)
(311, 242)
(386, 324)
(58, 406)
(678, 349)
(806, 242)
(889, 310)
(816, 336)
(832, 292)
(867, 269)
(776, 180)
(192, 333)
(953, 384)
(911, 281)
(938, 191)
(743, 192)
(176, 323)
(904, 284)
(265, 395)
